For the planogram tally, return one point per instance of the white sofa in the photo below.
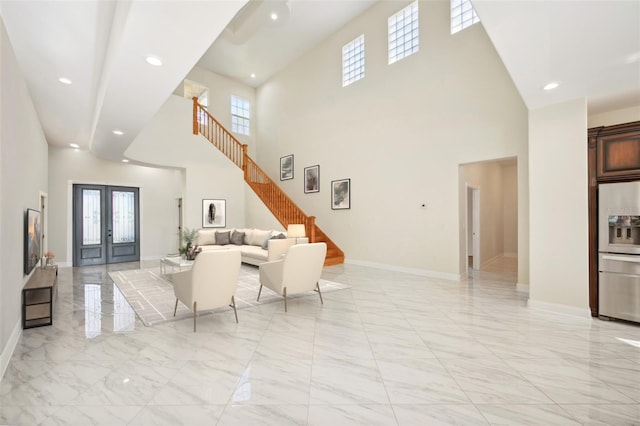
(250, 244)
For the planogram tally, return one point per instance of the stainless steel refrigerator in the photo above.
(619, 250)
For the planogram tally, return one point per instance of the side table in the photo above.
(174, 262)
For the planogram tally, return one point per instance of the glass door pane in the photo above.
(123, 217)
(106, 224)
(91, 214)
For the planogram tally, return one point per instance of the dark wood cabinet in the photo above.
(618, 153)
(613, 156)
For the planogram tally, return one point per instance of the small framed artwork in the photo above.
(341, 194)
(286, 167)
(214, 213)
(312, 179)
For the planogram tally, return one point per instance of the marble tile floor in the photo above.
(394, 349)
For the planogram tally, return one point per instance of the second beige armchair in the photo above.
(298, 272)
(211, 283)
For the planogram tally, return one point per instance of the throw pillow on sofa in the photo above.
(223, 238)
(265, 244)
(237, 238)
(257, 237)
(206, 237)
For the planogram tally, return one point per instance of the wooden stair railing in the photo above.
(282, 207)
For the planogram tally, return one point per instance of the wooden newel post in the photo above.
(311, 224)
(195, 115)
(245, 156)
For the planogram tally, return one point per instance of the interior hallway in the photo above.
(393, 349)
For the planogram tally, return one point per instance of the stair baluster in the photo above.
(282, 207)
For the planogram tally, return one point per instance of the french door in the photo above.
(106, 224)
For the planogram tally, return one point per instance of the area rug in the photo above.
(151, 296)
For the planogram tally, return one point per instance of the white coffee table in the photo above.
(174, 262)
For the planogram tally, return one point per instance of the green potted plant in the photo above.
(188, 238)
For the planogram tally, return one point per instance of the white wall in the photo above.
(159, 190)
(257, 214)
(23, 176)
(469, 229)
(399, 134)
(619, 116)
(206, 182)
(4, 355)
(220, 90)
(169, 140)
(510, 209)
(559, 274)
(523, 220)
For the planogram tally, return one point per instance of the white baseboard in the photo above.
(413, 271)
(7, 353)
(560, 309)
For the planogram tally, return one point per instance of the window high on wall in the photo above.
(240, 115)
(353, 61)
(462, 15)
(403, 33)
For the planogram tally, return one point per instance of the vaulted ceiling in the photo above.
(592, 48)
(101, 47)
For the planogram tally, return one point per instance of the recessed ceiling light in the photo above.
(74, 145)
(253, 75)
(64, 80)
(274, 16)
(154, 61)
(551, 86)
(118, 132)
(124, 160)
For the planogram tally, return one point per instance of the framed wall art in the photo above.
(214, 213)
(311, 179)
(286, 167)
(341, 194)
(32, 240)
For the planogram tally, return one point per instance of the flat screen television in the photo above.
(32, 239)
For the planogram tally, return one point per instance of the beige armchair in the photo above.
(298, 272)
(211, 283)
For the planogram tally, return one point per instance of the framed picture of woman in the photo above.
(214, 213)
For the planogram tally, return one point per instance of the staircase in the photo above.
(282, 207)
